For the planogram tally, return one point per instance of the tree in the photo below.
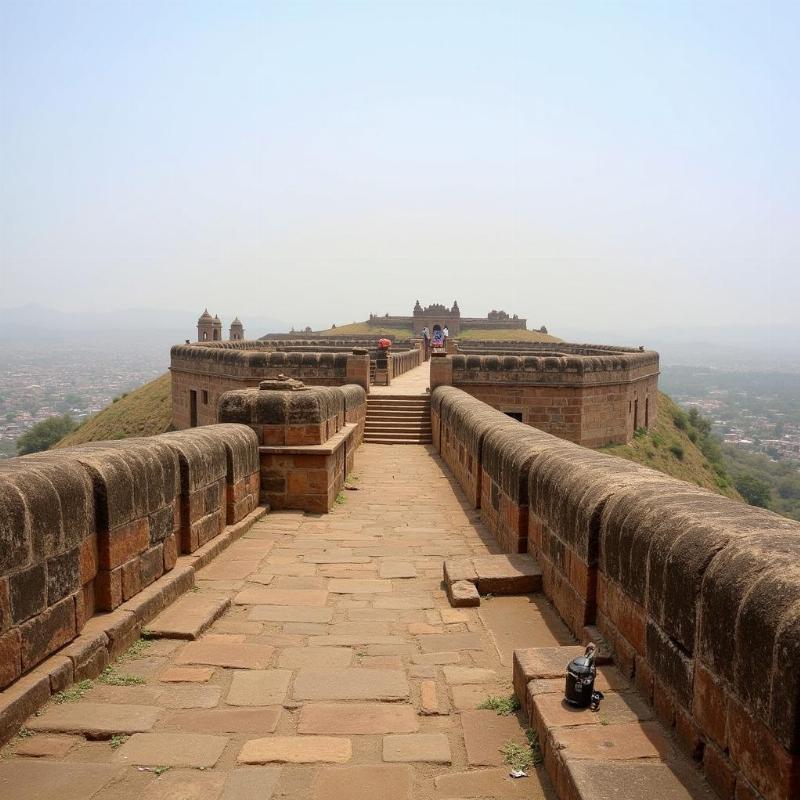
(43, 435)
(755, 491)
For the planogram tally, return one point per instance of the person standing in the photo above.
(446, 333)
(426, 342)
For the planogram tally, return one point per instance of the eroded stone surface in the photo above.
(357, 718)
(296, 750)
(24, 779)
(258, 687)
(96, 720)
(368, 782)
(351, 684)
(432, 748)
(172, 750)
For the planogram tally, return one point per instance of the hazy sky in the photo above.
(573, 162)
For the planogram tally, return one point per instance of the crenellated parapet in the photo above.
(589, 394)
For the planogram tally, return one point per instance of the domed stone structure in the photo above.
(205, 327)
(236, 333)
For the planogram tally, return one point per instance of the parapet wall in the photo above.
(86, 528)
(697, 595)
(202, 373)
(308, 437)
(587, 394)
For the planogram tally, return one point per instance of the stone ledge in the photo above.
(327, 449)
(106, 636)
(591, 754)
(494, 574)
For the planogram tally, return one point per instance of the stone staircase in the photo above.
(398, 419)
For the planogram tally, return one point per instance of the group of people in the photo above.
(439, 337)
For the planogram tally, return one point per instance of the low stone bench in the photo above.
(591, 754)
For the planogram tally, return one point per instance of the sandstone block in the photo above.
(432, 748)
(296, 750)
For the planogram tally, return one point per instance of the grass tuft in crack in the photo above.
(111, 677)
(117, 740)
(74, 692)
(523, 757)
(504, 706)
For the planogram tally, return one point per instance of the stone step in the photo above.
(388, 440)
(189, 616)
(386, 427)
(590, 755)
(495, 574)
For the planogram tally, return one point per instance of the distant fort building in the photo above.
(437, 316)
(209, 329)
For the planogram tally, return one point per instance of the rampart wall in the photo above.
(586, 394)
(307, 437)
(87, 528)
(202, 373)
(697, 595)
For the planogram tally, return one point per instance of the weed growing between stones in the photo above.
(111, 677)
(73, 693)
(341, 498)
(24, 733)
(523, 757)
(117, 740)
(137, 650)
(504, 706)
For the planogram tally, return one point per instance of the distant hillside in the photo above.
(145, 411)
(467, 334)
(673, 446)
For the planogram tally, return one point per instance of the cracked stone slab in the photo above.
(197, 750)
(188, 616)
(95, 720)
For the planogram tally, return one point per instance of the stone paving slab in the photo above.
(188, 616)
(95, 720)
(356, 586)
(46, 746)
(225, 720)
(446, 642)
(266, 596)
(236, 655)
(186, 784)
(315, 658)
(397, 569)
(431, 748)
(491, 783)
(364, 782)
(290, 614)
(172, 750)
(357, 718)
(351, 684)
(258, 687)
(486, 732)
(187, 674)
(250, 783)
(23, 779)
(296, 750)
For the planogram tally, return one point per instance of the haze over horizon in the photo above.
(577, 164)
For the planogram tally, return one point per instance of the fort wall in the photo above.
(697, 595)
(586, 394)
(307, 436)
(201, 374)
(86, 529)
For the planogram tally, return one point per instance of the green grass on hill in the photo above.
(670, 449)
(468, 334)
(145, 411)
(504, 335)
(365, 329)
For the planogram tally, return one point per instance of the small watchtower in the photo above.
(205, 327)
(237, 330)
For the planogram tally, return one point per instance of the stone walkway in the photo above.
(416, 381)
(336, 670)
